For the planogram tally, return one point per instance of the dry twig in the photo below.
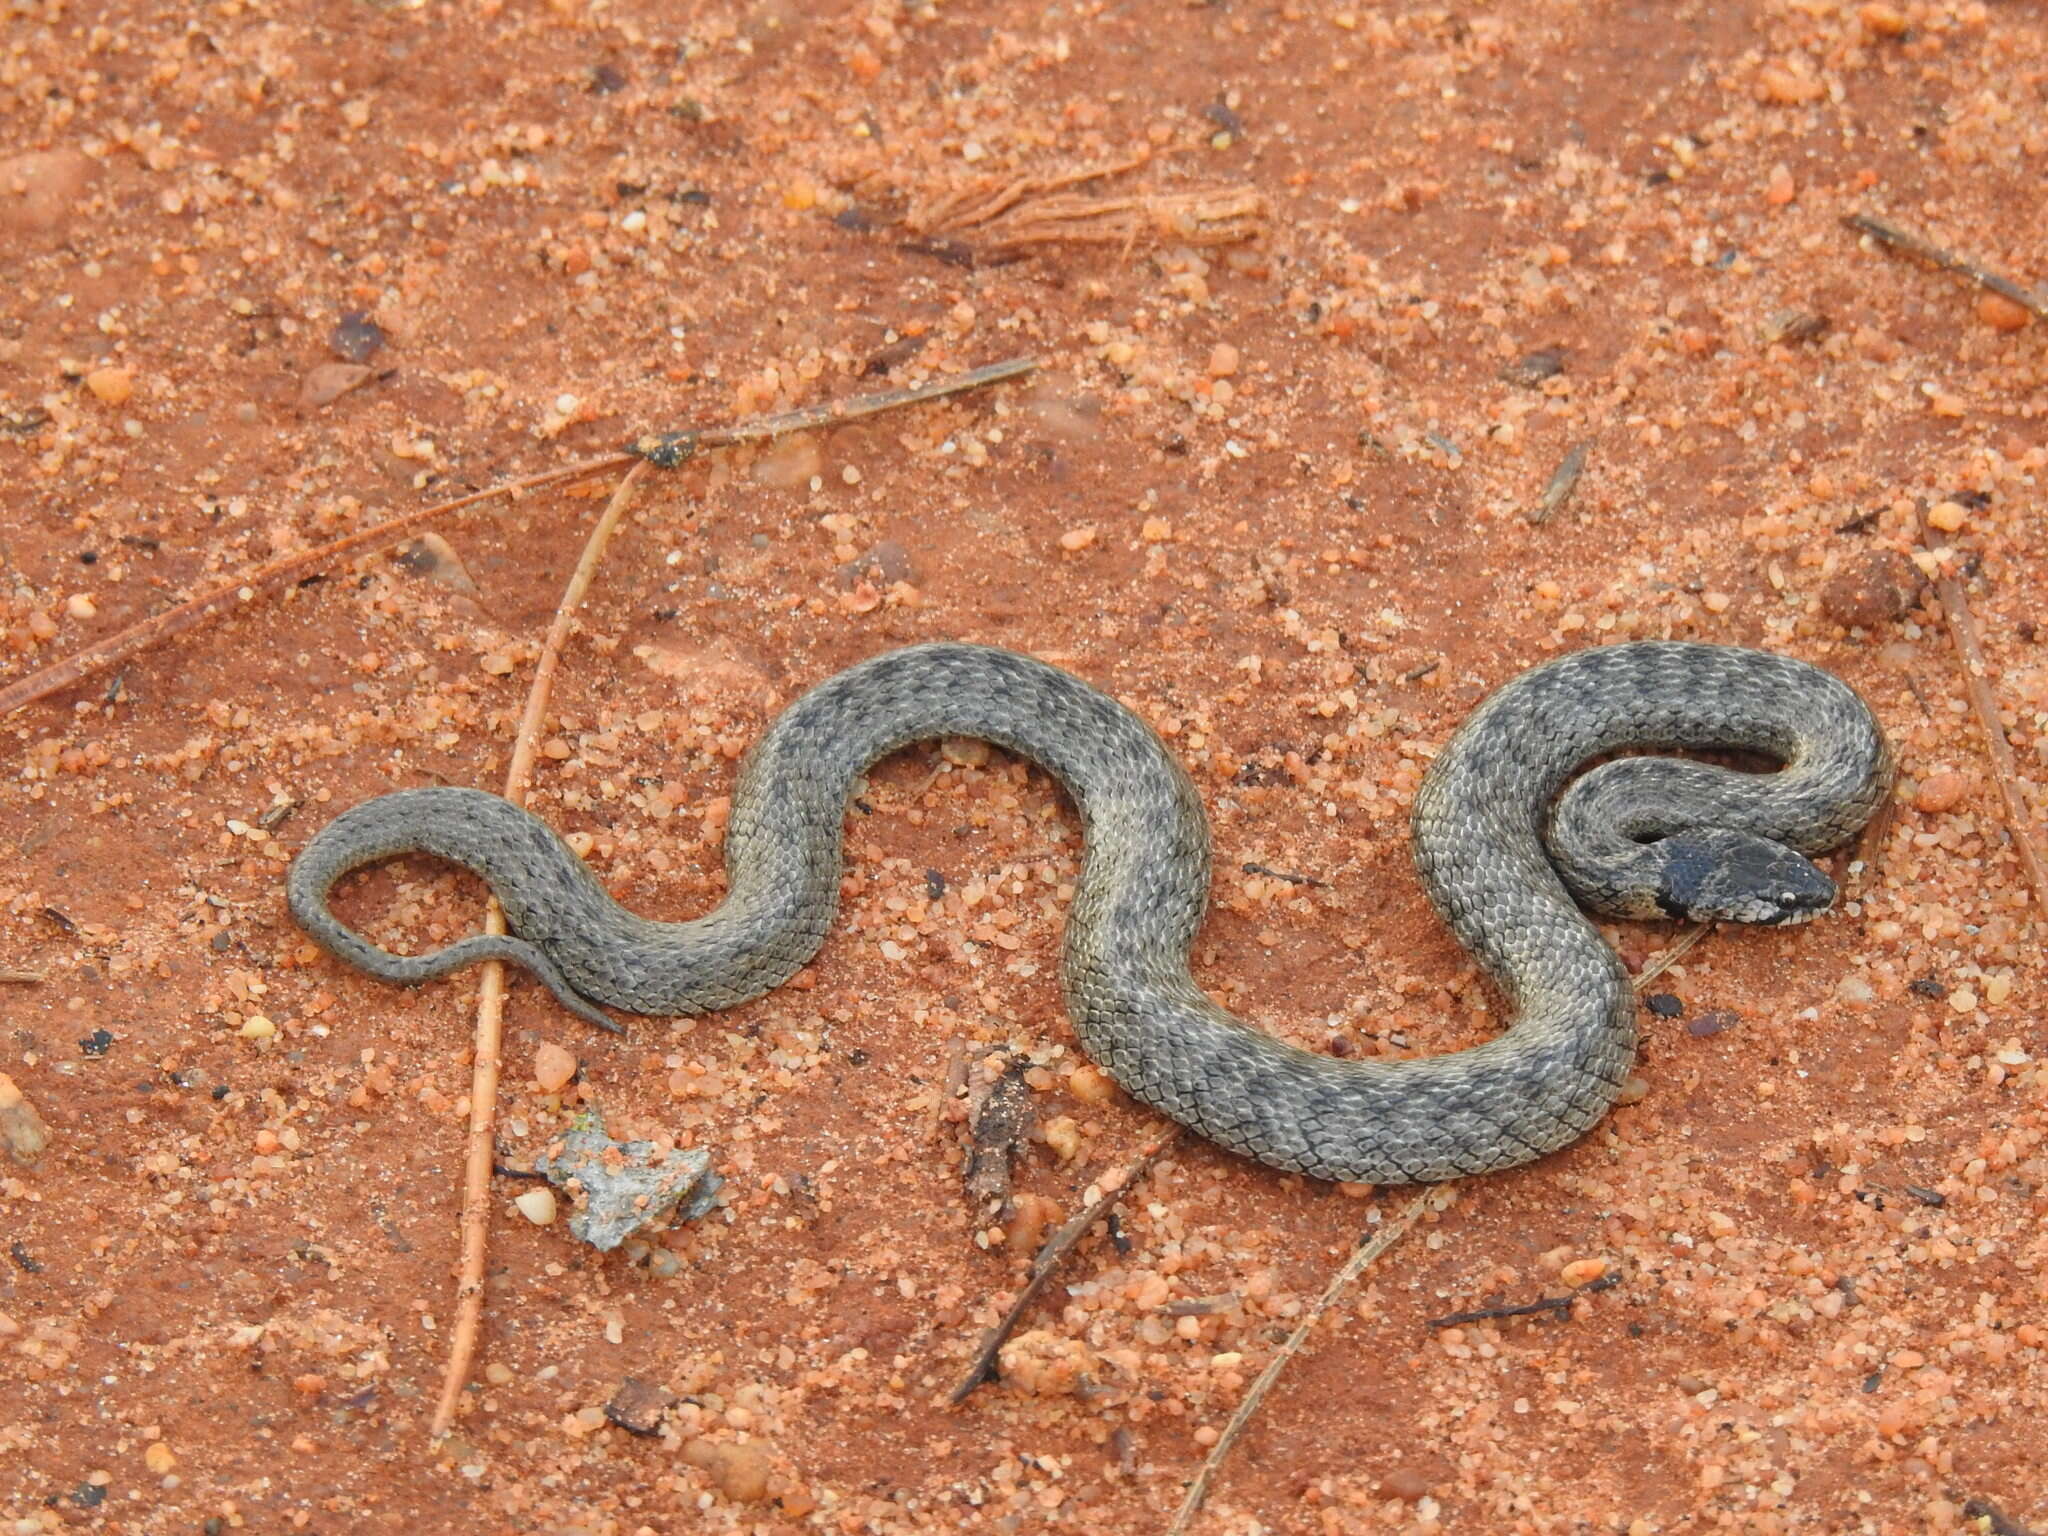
(1670, 957)
(1368, 1249)
(1914, 245)
(664, 450)
(1962, 629)
(483, 1087)
(1055, 1249)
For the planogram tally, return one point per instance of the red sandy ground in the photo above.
(1273, 494)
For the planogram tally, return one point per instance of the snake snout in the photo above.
(1713, 874)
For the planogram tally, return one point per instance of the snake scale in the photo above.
(1501, 854)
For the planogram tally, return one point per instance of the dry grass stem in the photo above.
(664, 450)
(1054, 1249)
(490, 1009)
(1891, 236)
(1665, 959)
(1962, 629)
(140, 636)
(1368, 1249)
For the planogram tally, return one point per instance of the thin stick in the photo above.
(1562, 484)
(140, 636)
(1914, 245)
(1559, 1304)
(21, 978)
(483, 1085)
(1367, 1250)
(1670, 957)
(1054, 1249)
(1962, 629)
(664, 450)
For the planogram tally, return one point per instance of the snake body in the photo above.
(1692, 839)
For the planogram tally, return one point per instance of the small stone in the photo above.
(111, 386)
(1884, 20)
(1157, 530)
(965, 751)
(257, 1027)
(1855, 991)
(624, 1187)
(1582, 1272)
(1940, 792)
(1406, 1484)
(1942, 403)
(1046, 1364)
(1878, 589)
(553, 1067)
(1091, 1085)
(159, 1459)
(1780, 189)
(1664, 1005)
(1715, 602)
(21, 1127)
(2001, 313)
(98, 1043)
(1948, 516)
(356, 337)
(1532, 369)
(325, 383)
(499, 1374)
(80, 606)
(496, 663)
(1223, 360)
(637, 1406)
(1062, 1134)
(740, 1472)
(1711, 1024)
(1074, 540)
(1786, 89)
(39, 190)
(1962, 1000)
(1633, 1091)
(537, 1205)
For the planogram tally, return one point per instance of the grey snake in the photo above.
(1505, 838)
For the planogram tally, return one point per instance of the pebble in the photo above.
(537, 1205)
(21, 1127)
(1873, 591)
(1074, 540)
(1046, 1364)
(1710, 1023)
(1223, 360)
(39, 190)
(1664, 1005)
(1948, 516)
(637, 1406)
(159, 1458)
(1633, 1091)
(552, 1067)
(1582, 1272)
(2001, 314)
(356, 337)
(740, 1472)
(257, 1027)
(111, 386)
(1780, 189)
(325, 383)
(1405, 1483)
(1940, 792)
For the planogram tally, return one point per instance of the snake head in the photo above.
(1713, 874)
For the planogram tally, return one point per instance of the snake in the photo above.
(1512, 843)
